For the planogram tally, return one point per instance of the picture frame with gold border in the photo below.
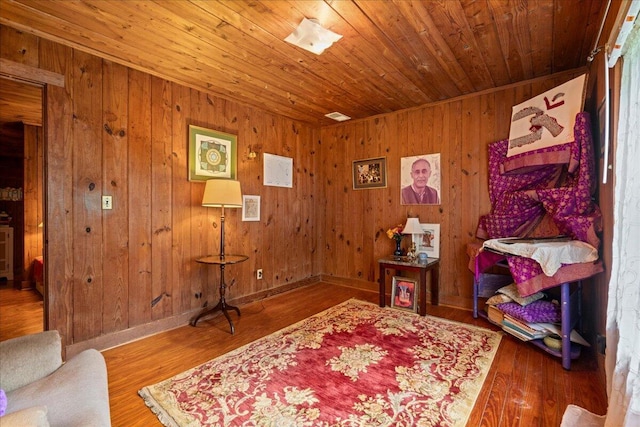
(212, 154)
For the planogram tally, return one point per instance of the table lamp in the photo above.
(222, 193)
(412, 226)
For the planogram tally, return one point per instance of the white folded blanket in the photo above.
(550, 255)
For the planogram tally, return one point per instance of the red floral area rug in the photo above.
(355, 364)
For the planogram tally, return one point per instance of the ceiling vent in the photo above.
(339, 117)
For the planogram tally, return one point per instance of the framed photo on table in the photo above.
(404, 294)
(429, 241)
(212, 154)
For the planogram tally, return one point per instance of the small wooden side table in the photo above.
(222, 305)
(430, 265)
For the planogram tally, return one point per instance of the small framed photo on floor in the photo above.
(404, 294)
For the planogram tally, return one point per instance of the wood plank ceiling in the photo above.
(393, 55)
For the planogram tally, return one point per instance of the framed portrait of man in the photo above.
(420, 180)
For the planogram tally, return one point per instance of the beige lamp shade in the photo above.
(412, 226)
(222, 193)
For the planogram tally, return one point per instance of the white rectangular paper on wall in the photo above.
(278, 171)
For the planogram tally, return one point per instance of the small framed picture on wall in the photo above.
(250, 208)
(370, 173)
(212, 154)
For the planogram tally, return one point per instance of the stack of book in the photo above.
(523, 330)
(495, 315)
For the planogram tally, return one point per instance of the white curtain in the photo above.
(623, 311)
(622, 361)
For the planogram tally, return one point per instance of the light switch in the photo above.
(107, 202)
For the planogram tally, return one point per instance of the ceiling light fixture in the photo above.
(312, 36)
(339, 117)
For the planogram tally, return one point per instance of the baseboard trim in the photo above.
(276, 291)
(135, 333)
(114, 339)
(350, 283)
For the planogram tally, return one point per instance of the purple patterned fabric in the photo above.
(561, 191)
(536, 312)
(3, 402)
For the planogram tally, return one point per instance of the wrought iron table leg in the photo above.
(222, 305)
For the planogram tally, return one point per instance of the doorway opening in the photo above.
(22, 219)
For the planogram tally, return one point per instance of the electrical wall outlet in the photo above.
(259, 274)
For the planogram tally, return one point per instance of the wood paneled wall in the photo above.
(33, 200)
(353, 223)
(116, 131)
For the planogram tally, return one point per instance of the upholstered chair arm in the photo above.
(29, 358)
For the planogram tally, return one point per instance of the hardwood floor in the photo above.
(525, 386)
(20, 311)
